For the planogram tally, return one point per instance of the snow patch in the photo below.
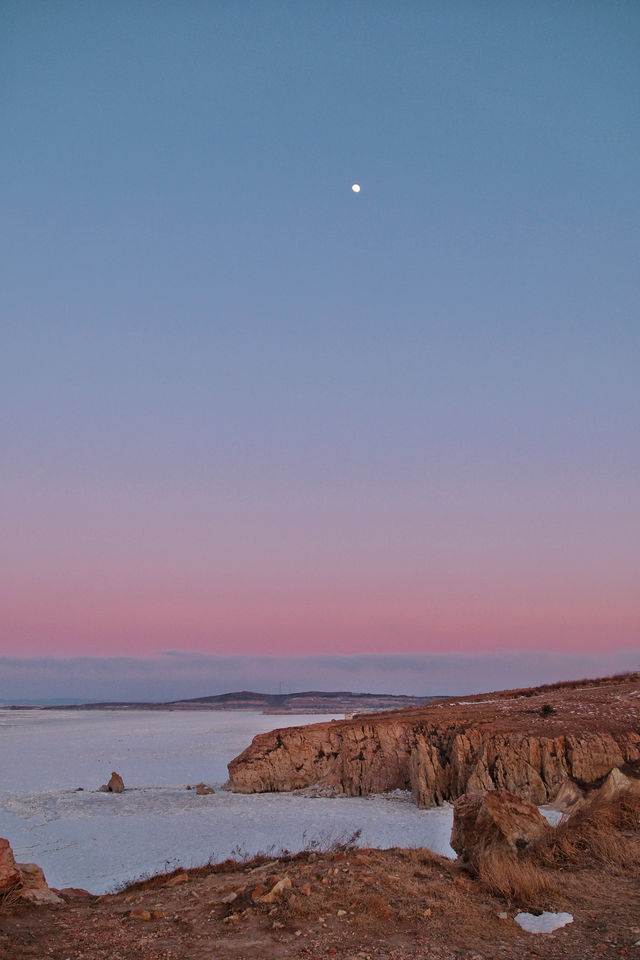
(546, 923)
(553, 817)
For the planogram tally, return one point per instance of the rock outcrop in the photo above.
(568, 797)
(25, 881)
(615, 785)
(446, 749)
(571, 798)
(494, 822)
(9, 872)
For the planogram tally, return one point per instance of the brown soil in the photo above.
(365, 905)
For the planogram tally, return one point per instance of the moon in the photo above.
(356, 188)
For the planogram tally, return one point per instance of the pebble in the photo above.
(276, 890)
(139, 914)
(179, 878)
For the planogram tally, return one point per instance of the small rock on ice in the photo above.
(203, 789)
(115, 785)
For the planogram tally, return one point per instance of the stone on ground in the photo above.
(494, 822)
(34, 887)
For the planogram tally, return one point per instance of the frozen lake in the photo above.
(99, 840)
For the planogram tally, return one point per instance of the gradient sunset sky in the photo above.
(249, 413)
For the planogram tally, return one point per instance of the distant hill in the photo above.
(307, 701)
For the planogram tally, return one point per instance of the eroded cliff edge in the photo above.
(527, 741)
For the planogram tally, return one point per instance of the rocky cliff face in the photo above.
(526, 742)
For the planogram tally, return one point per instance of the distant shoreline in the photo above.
(280, 704)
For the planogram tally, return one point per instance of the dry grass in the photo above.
(399, 904)
(10, 897)
(372, 912)
(602, 835)
(606, 834)
(378, 892)
(519, 881)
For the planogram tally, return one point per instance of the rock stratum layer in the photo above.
(528, 742)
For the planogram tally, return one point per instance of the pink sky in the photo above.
(74, 613)
(378, 568)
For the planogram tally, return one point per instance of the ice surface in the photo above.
(99, 840)
(545, 923)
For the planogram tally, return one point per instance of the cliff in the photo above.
(526, 741)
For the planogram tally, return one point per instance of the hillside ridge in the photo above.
(301, 702)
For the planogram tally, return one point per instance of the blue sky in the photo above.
(247, 411)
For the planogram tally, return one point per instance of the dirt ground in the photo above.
(361, 905)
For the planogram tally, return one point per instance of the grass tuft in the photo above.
(519, 881)
(606, 834)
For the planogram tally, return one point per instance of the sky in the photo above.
(251, 417)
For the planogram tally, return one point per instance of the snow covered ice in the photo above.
(99, 840)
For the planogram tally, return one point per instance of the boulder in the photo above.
(494, 822)
(9, 872)
(25, 880)
(34, 887)
(115, 785)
